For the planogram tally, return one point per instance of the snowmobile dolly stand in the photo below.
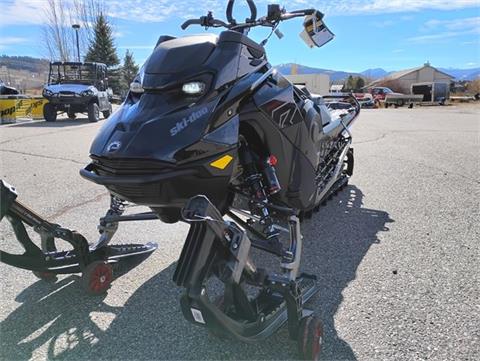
(97, 263)
(281, 298)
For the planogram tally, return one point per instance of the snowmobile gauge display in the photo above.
(212, 135)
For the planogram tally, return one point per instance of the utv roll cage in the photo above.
(90, 73)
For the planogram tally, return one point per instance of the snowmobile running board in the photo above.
(46, 262)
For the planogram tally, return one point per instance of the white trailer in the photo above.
(432, 92)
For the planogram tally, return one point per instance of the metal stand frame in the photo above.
(47, 258)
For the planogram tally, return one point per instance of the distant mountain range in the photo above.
(41, 66)
(375, 73)
(462, 74)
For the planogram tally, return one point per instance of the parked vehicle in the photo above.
(379, 93)
(365, 100)
(7, 90)
(211, 134)
(75, 87)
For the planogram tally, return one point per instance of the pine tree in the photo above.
(359, 83)
(130, 69)
(349, 84)
(102, 50)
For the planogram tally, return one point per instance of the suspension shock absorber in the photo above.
(107, 230)
(254, 181)
(271, 179)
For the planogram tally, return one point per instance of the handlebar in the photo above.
(209, 21)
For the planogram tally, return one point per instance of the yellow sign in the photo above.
(37, 107)
(222, 162)
(13, 107)
(7, 109)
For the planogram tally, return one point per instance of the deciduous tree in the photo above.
(57, 36)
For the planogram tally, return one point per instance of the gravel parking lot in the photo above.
(397, 253)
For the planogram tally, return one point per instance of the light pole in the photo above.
(76, 27)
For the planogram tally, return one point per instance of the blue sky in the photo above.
(390, 34)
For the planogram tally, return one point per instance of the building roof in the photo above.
(399, 74)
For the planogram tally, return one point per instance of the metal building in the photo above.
(423, 74)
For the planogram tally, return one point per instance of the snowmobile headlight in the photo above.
(193, 88)
(87, 93)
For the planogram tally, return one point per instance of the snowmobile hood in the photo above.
(151, 129)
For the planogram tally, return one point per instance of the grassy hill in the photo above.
(27, 63)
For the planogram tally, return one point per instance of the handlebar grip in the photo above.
(187, 23)
(303, 12)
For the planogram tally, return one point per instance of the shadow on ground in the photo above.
(150, 324)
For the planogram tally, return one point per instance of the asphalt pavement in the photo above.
(396, 253)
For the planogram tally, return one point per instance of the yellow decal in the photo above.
(222, 162)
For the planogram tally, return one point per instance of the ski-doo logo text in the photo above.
(185, 122)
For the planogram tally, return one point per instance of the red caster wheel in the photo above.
(46, 276)
(310, 334)
(97, 278)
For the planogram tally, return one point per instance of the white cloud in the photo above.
(11, 40)
(449, 29)
(119, 34)
(161, 10)
(353, 7)
(434, 37)
(383, 23)
(25, 12)
(454, 24)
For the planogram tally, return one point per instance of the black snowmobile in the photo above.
(211, 134)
